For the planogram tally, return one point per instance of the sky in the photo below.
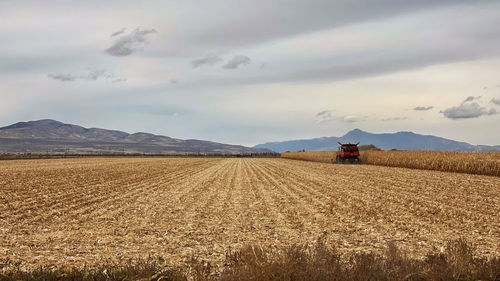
(248, 72)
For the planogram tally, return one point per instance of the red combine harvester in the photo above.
(347, 152)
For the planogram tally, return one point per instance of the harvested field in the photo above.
(72, 212)
(480, 163)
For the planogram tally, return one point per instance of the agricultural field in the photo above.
(87, 211)
(480, 163)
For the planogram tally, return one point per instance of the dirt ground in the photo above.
(75, 212)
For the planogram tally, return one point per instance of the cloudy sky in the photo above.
(247, 72)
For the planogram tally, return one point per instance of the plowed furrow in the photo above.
(71, 212)
(407, 201)
(39, 201)
(91, 196)
(153, 185)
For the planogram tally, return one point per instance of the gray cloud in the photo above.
(468, 109)
(209, 60)
(63, 77)
(325, 115)
(364, 64)
(324, 112)
(295, 18)
(471, 98)
(423, 108)
(118, 32)
(495, 101)
(128, 44)
(91, 75)
(460, 38)
(236, 61)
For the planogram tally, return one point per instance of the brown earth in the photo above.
(75, 212)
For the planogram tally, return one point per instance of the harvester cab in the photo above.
(347, 152)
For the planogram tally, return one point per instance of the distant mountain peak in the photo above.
(355, 133)
(31, 123)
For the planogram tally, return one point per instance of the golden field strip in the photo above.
(481, 163)
(75, 212)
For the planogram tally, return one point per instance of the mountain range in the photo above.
(399, 141)
(50, 136)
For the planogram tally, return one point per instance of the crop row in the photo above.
(481, 163)
(90, 211)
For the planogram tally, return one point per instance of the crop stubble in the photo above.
(71, 212)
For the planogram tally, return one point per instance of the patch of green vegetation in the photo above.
(368, 147)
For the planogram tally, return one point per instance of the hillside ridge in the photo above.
(51, 136)
(403, 140)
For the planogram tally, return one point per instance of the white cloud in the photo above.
(352, 118)
(328, 115)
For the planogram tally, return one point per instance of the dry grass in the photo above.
(315, 156)
(481, 163)
(457, 261)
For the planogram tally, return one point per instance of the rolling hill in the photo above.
(50, 136)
